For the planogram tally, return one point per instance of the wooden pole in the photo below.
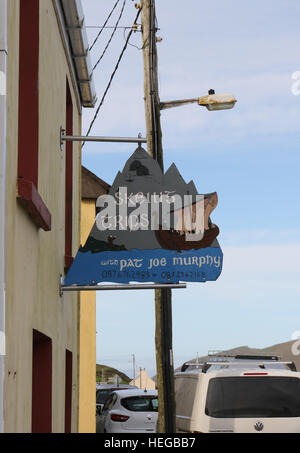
(133, 366)
(163, 297)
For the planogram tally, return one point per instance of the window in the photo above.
(102, 396)
(41, 383)
(28, 91)
(28, 125)
(68, 392)
(140, 403)
(253, 397)
(110, 402)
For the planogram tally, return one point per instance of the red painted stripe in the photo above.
(41, 384)
(28, 91)
(68, 261)
(28, 125)
(68, 392)
(69, 181)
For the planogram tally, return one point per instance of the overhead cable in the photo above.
(102, 28)
(111, 37)
(111, 78)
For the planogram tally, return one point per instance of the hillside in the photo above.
(104, 373)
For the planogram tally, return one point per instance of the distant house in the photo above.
(92, 187)
(143, 381)
(114, 379)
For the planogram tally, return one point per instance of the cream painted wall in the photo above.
(143, 381)
(87, 345)
(35, 259)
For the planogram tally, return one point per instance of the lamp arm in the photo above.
(171, 104)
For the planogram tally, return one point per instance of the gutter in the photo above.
(79, 47)
(3, 58)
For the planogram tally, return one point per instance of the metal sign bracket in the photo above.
(117, 287)
(73, 138)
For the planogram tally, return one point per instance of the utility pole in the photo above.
(3, 70)
(133, 366)
(163, 297)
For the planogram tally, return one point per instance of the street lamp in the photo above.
(212, 102)
(163, 300)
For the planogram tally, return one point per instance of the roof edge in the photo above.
(92, 185)
(75, 29)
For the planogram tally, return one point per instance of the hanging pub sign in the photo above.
(150, 227)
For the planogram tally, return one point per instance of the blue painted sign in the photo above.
(150, 227)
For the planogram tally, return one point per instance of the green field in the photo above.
(105, 373)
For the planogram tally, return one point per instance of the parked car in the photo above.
(103, 391)
(129, 411)
(238, 395)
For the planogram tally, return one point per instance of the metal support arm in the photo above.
(121, 287)
(71, 138)
(179, 103)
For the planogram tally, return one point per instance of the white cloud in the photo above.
(254, 302)
(271, 259)
(260, 237)
(121, 114)
(255, 65)
(250, 49)
(253, 276)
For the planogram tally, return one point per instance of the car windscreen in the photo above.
(102, 395)
(140, 403)
(253, 397)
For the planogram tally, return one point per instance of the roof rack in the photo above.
(257, 357)
(219, 355)
(257, 361)
(260, 364)
(244, 356)
(187, 364)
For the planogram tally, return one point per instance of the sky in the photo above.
(250, 155)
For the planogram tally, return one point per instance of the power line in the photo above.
(109, 26)
(102, 28)
(133, 45)
(111, 37)
(111, 78)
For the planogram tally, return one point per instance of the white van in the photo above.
(238, 395)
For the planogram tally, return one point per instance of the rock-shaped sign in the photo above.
(150, 227)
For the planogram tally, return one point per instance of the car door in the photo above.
(101, 419)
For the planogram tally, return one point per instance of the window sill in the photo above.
(32, 202)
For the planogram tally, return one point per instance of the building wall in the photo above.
(143, 381)
(87, 342)
(35, 258)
